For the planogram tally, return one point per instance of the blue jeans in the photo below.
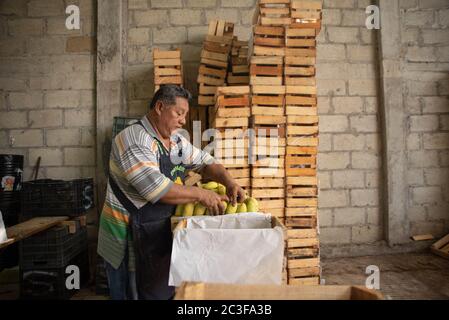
(122, 282)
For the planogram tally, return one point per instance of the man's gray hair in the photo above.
(168, 94)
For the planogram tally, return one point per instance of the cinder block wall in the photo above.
(425, 42)
(47, 86)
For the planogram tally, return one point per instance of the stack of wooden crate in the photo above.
(167, 67)
(268, 107)
(214, 60)
(238, 73)
(231, 114)
(302, 142)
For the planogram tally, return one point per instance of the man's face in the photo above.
(173, 117)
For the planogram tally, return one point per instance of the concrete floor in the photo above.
(402, 276)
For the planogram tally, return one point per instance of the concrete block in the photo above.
(13, 119)
(367, 123)
(333, 199)
(436, 176)
(333, 123)
(364, 197)
(13, 47)
(26, 27)
(88, 98)
(26, 138)
(324, 105)
(47, 8)
(408, 4)
(361, 53)
(331, 87)
(416, 213)
(201, 3)
(56, 26)
(331, 17)
(339, 4)
(426, 195)
(331, 52)
(368, 36)
(348, 142)
(139, 36)
(347, 105)
(325, 217)
(137, 107)
(372, 179)
(365, 160)
(332, 70)
(419, 18)
(414, 141)
(431, 36)
(348, 179)
(373, 142)
(196, 34)
(247, 16)
(424, 4)
(185, 17)
(349, 216)
(443, 17)
(191, 53)
(227, 14)
(325, 143)
(324, 179)
(79, 156)
(341, 235)
(421, 54)
(440, 212)
(25, 100)
(362, 87)
(437, 229)
(45, 118)
(137, 4)
(88, 137)
(343, 34)
(436, 104)
(46, 46)
(442, 53)
(66, 173)
(13, 7)
(10, 84)
(63, 137)
(79, 118)
(444, 122)
(424, 123)
(151, 18)
(139, 55)
(354, 18)
(423, 159)
(374, 216)
(436, 141)
(81, 44)
(49, 157)
(333, 160)
(371, 105)
(62, 99)
(238, 3)
(366, 234)
(166, 3)
(410, 36)
(169, 35)
(415, 177)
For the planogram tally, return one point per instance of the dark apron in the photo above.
(152, 236)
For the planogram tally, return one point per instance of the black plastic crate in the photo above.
(121, 123)
(49, 197)
(52, 255)
(50, 284)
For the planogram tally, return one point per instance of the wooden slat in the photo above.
(302, 181)
(299, 71)
(300, 61)
(301, 130)
(167, 62)
(302, 202)
(267, 60)
(267, 193)
(300, 212)
(300, 81)
(301, 111)
(268, 89)
(274, 111)
(162, 54)
(313, 281)
(256, 80)
(268, 182)
(301, 192)
(291, 32)
(269, 51)
(301, 150)
(302, 243)
(303, 263)
(304, 272)
(233, 112)
(167, 72)
(214, 56)
(292, 172)
(306, 4)
(231, 122)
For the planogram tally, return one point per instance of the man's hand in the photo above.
(212, 201)
(235, 194)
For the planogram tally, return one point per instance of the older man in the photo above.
(142, 196)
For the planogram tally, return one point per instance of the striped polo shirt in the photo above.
(134, 164)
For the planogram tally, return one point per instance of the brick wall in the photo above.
(425, 42)
(349, 161)
(47, 82)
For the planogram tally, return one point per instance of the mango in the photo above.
(231, 209)
(252, 205)
(179, 210)
(225, 204)
(241, 208)
(199, 210)
(188, 209)
(210, 185)
(221, 189)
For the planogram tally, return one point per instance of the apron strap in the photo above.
(121, 197)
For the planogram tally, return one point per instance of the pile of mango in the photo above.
(197, 209)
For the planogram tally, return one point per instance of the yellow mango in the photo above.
(199, 210)
(231, 209)
(188, 209)
(241, 208)
(179, 210)
(210, 185)
(221, 189)
(252, 205)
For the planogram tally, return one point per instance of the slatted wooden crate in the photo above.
(303, 258)
(269, 41)
(300, 42)
(231, 147)
(266, 70)
(306, 13)
(274, 12)
(214, 60)
(167, 67)
(238, 73)
(299, 71)
(268, 100)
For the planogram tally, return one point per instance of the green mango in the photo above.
(210, 185)
(199, 210)
(252, 205)
(179, 210)
(231, 209)
(188, 209)
(221, 189)
(241, 208)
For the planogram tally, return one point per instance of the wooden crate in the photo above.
(269, 41)
(300, 42)
(306, 14)
(274, 12)
(208, 291)
(232, 102)
(268, 100)
(266, 70)
(238, 73)
(167, 67)
(303, 265)
(441, 247)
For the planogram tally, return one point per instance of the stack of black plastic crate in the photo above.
(54, 263)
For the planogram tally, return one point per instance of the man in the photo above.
(142, 196)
